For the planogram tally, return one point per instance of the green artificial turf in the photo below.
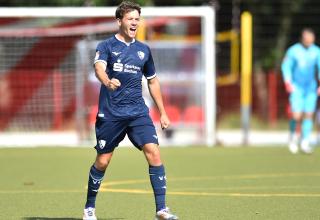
(203, 183)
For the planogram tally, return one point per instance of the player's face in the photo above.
(129, 24)
(308, 38)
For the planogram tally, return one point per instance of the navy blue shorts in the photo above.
(109, 133)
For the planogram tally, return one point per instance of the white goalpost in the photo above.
(66, 80)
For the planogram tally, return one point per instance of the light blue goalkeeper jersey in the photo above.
(300, 66)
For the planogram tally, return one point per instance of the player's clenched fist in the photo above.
(164, 121)
(113, 84)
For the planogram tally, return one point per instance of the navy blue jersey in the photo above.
(127, 62)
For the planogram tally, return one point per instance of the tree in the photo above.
(273, 19)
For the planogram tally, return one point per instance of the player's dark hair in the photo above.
(307, 29)
(125, 7)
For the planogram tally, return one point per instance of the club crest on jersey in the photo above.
(140, 55)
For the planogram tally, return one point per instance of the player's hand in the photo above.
(113, 84)
(318, 91)
(289, 87)
(164, 121)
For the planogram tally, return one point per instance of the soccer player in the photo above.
(299, 68)
(120, 63)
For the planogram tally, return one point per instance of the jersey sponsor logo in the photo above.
(116, 53)
(128, 68)
(102, 143)
(140, 54)
(97, 55)
(131, 68)
(118, 67)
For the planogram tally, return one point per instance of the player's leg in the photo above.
(307, 122)
(157, 174)
(143, 135)
(296, 105)
(96, 175)
(317, 125)
(294, 138)
(108, 134)
(306, 130)
(158, 181)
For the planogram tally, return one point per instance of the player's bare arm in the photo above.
(155, 92)
(100, 70)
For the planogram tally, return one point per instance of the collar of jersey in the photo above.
(306, 48)
(128, 44)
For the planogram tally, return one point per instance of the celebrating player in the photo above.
(120, 63)
(299, 68)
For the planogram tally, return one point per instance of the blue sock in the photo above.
(306, 128)
(158, 182)
(94, 182)
(292, 126)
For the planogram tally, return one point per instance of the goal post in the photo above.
(206, 59)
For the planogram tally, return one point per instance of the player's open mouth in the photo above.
(133, 30)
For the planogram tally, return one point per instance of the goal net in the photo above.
(48, 89)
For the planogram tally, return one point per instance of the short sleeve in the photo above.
(101, 53)
(149, 70)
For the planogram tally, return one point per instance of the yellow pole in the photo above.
(234, 62)
(246, 73)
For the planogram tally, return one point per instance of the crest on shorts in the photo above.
(140, 54)
(102, 143)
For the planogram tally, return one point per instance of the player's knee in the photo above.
(308, 116)
(102, 161)
(297, 116)
(101, 165)
(152, 154)
(155, 156)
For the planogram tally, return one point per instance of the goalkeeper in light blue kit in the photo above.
(300, 70)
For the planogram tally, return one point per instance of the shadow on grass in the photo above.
(49, 218)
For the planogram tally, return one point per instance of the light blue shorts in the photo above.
(303, 100)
